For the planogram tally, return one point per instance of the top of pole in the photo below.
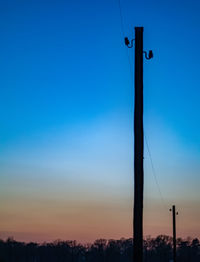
(139, 28)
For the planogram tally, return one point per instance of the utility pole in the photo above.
(138, 148)
(174, 213)
(138, 144)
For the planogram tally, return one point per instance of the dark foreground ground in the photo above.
(155, 250)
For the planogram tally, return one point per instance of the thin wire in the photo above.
(154, 172)
(121, 18)
(131, 71)
(123, 34)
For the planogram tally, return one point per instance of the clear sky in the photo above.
(66, 118)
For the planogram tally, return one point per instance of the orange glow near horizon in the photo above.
(46, 221)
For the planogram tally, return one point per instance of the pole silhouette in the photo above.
(138, 148)
(138, 143)
(174, 213)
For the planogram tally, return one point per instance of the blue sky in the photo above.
(66, 103)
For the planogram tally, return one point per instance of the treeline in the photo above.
(157, 249)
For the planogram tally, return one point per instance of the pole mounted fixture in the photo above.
(172, 210)
(127, 42)
(149, 56)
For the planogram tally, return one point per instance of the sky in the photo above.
(66, 118)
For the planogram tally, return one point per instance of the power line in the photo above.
(121, 18)
(154, 172)
(123, 34)
(131, 70)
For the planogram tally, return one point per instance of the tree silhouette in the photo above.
(155, 249)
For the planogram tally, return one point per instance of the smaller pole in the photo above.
(174, 213)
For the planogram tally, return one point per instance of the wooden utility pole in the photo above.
(138, 144)
(138, 148)
(174, 213)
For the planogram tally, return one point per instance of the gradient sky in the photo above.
(66, 121)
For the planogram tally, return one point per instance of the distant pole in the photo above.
(174, 213)
(138, 148)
